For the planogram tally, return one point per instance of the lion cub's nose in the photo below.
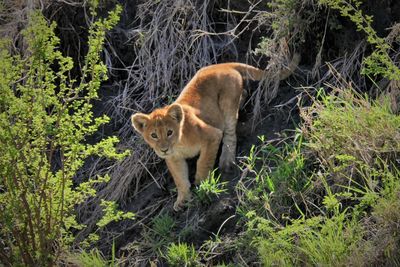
(164, 150)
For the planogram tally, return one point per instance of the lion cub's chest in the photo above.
(186, 151)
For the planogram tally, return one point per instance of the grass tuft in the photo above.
(182, 254)
(210, 188)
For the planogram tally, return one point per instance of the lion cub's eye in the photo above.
(154, 135)
(169, 133)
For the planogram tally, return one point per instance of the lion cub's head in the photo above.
(161, 129)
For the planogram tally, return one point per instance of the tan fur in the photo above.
(205, 113)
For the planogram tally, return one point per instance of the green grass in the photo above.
(350, 125)
(182, 254)
(307, 202)
(210, 188)
(163, 225)
(273, 171)
(317, 241)
(93, 258)
(160, 234)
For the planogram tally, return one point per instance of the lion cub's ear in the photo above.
(176, 112)
(139, 121)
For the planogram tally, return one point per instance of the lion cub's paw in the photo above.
(178, 205)
(226, 160)
(180, 201)
(226, 165)
(198, 180)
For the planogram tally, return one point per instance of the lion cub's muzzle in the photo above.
(163, 152)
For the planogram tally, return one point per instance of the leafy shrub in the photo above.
(112, 214)
(379, 62)
(45, 119)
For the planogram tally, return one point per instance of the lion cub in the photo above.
(205, 113)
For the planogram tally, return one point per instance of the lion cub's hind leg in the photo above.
(208, 153)
(230, 110)
(227, 158)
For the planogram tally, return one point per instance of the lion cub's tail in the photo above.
(253, 73)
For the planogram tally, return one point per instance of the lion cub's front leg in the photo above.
(179, 171)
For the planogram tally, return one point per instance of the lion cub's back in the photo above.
(207, 83)
(211, 79)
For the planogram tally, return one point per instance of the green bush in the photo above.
(45, 119)
(379, 62)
